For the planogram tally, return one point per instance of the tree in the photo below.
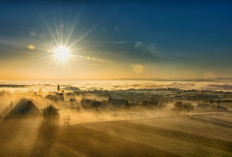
(127, 105)
(178, 106)
(51, 113)
(67, 119)
(218, 106)
(97, 112)
(115, 115)
(188, 107)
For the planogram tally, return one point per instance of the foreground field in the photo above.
(196, 135)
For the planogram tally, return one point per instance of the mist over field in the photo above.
(145, 118)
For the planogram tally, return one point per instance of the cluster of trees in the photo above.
(181, 106)
(51, 113)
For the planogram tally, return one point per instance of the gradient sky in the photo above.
(117, 39)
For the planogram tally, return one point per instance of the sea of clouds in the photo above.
(48, 85)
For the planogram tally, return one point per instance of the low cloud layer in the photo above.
(224, 85)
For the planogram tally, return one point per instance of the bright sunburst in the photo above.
(62, 53)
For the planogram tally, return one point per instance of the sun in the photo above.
(62, 53)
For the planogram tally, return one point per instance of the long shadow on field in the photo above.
(12, 133)
(213, 121)
(95, 143)
(47, 135)
(200, 140)
(9, 130)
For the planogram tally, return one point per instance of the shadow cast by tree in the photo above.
(47, 134)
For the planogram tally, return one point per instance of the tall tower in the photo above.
(58, 88)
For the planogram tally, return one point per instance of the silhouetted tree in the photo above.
(178, 106)
(127, 105)
(188, 107)
(218, 104)
(67, 119)
(97, 112)
(11, 104)
(115, 115)
(51, 113)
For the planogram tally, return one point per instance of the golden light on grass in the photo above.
(62, 53)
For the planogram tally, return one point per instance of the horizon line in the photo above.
(158, 79)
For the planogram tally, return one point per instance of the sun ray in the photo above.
(50, 32)
(83, 36)
(74, 25)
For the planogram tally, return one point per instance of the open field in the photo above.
(196, 135)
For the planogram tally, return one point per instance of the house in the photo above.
(70, 97)
(59, 97)
(25, 107)
(50, 97)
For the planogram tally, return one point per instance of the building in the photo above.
(25, 107)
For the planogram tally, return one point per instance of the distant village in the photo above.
(73, 98)
(156, 98)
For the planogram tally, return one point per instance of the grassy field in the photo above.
(196, 135)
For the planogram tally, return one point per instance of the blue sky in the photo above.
(176, 38)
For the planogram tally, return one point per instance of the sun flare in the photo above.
(62, 53)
